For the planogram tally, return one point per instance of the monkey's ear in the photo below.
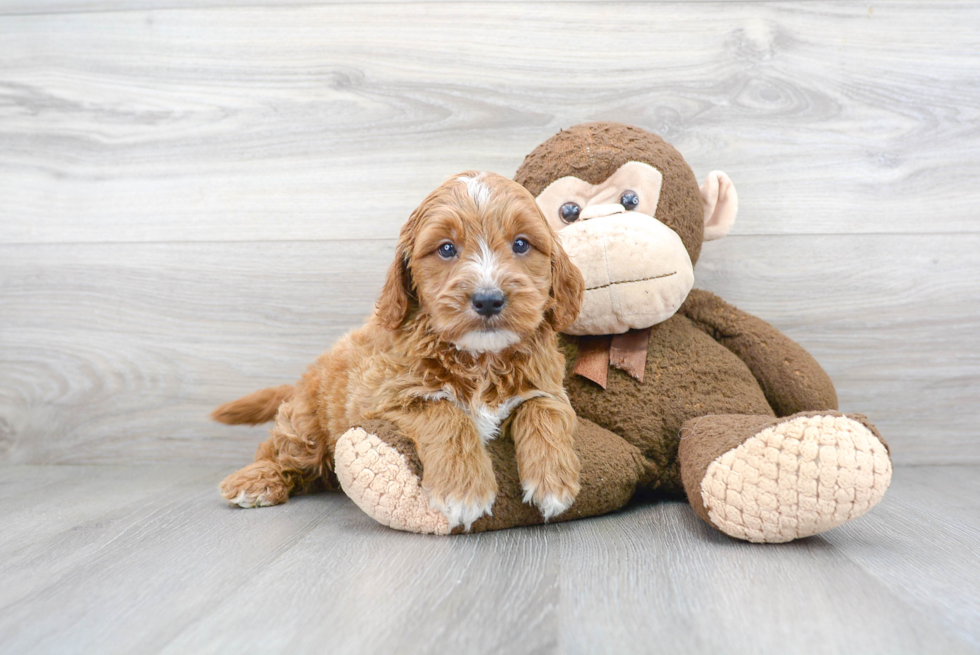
(567, 288)
(392, 305)
(720, 202)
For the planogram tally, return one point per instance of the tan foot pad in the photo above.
(376, 477)
(795, 479)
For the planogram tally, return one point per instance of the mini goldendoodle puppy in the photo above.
(462, 344)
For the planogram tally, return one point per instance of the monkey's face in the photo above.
(637, 270)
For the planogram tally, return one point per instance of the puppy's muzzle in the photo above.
(488, 302)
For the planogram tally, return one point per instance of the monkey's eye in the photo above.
(569, 212)
(629, 200)
(447, 250)
(521, 245)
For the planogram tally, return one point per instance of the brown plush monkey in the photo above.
(676, 390)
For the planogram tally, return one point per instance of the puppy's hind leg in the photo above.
(291, 461)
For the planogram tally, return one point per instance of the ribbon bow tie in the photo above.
(627, 352)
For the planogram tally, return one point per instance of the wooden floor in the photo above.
(149, 559)
(199, 196)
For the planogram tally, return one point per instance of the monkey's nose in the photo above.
(488, 302)
(600, 211)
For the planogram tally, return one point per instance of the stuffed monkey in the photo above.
(676, 390)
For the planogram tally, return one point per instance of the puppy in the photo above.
(462, 344)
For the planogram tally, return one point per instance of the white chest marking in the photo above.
(487, 420)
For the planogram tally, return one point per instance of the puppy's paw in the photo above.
(550, 480)
(463, 488)
(550, 504)
(463, 512)
(257, 485)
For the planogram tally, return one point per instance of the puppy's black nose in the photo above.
(488, 302)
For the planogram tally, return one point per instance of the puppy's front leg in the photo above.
(547, 464)
(457, 475)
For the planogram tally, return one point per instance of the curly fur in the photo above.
(446, 376)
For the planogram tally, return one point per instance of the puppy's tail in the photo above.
(257, 407)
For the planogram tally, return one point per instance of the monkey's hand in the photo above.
(790, 377)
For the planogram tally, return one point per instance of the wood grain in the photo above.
(333, 121)
(150, 560)
(663, 572)
(918, 534)
(198, 196)
(29, 7)
(116, 353)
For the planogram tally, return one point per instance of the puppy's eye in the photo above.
(629, 200)
(569, 212)
(447, 250)
(521, 245)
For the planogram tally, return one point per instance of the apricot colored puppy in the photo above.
(462, 345)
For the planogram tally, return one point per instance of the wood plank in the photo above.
(362, 588)
(116, 353)
(664, 576)
(44, 7)
(333, 121)
(121, 581)
(77, 510)
(189, 558)
(930, 515)
(179, 572)
(36, 511)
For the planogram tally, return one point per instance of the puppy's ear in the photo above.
(396, 294)
(567, 288)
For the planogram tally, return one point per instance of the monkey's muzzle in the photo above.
(637, 272)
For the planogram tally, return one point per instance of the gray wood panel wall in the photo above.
(198, 197)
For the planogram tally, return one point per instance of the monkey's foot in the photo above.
(774, 480)
(385, 483)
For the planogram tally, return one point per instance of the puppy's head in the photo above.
(478, 260)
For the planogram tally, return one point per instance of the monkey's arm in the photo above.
(789, 376)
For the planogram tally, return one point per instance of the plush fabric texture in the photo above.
(728, 410)
(746, 472)
(593, 151)
(790, 377)
(775, 480)
(379, 470)
(637, 272)
(687, 374)
(631, 175)
(720, 201)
